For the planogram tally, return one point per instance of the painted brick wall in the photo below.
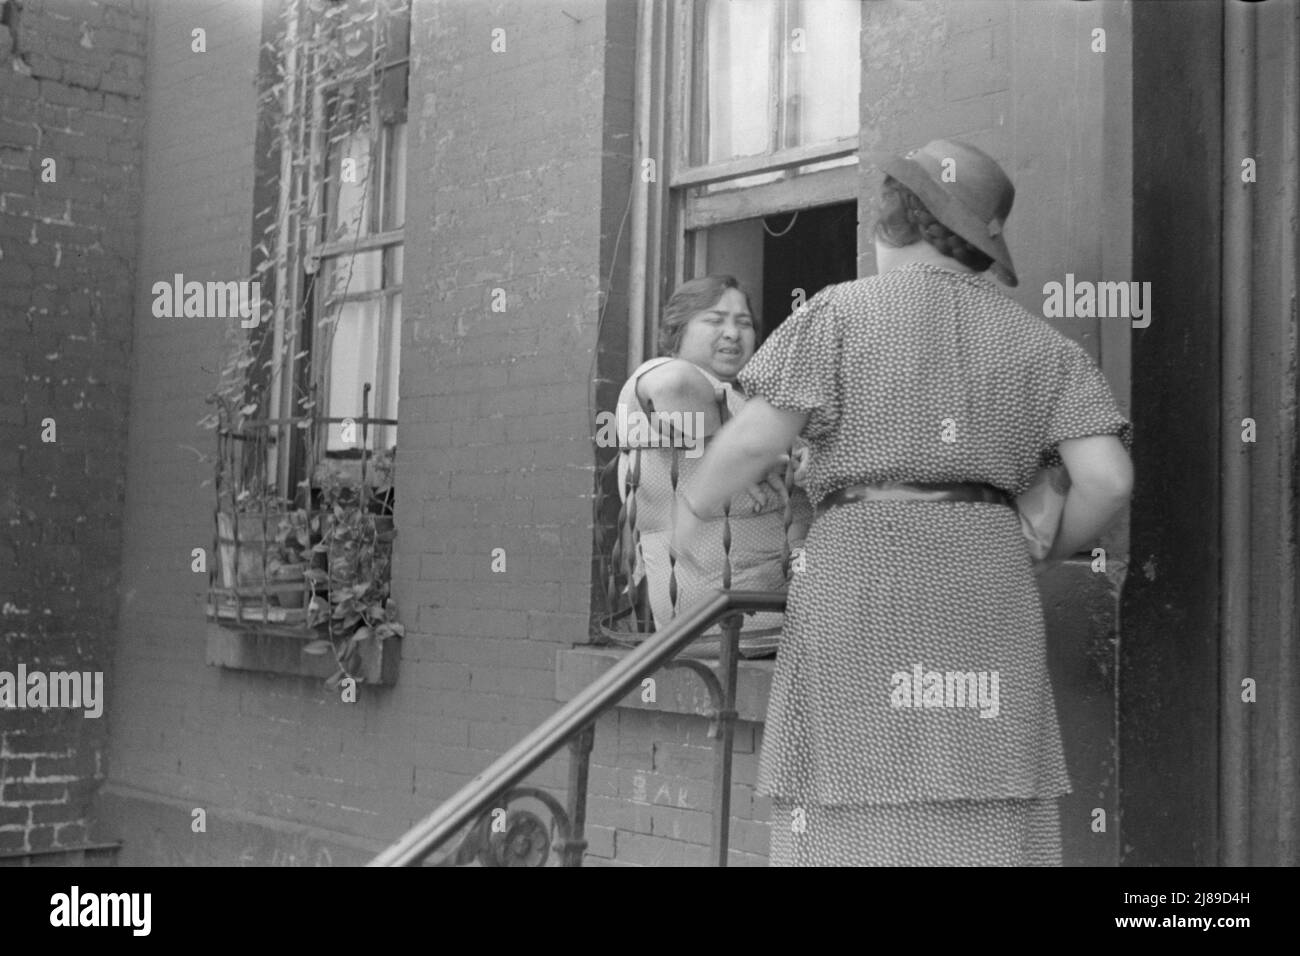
(70, 91)
(651, 793)
(175, 727)
(516, 182)
(519, 171)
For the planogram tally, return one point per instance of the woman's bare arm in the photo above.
(743, 452)
(1101, 482)
(678, 386)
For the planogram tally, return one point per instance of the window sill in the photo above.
(677, 690)
(272, 652)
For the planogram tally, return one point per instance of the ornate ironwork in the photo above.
(573, 725)
(514, 836)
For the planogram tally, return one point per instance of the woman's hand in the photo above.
(802, 453)
(771, 488)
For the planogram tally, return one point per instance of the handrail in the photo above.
(554, 732)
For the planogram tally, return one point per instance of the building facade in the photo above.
(537, 179)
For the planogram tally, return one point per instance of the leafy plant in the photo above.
(337, 53)
(356, 546)
(335, 59)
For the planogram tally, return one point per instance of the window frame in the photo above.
(304, 369)
(670, 233)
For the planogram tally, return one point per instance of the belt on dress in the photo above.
(906, 491)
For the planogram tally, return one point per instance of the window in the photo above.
(756, 134)
(358, 262)
(340, 205)
(747, 114)
(308, 416)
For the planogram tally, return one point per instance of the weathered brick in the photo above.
(71, 96)
(14, 816)
(18, 134)
(17, 791)
(40, 838)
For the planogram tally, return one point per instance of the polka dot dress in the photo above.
(758, 539)
(911, 718)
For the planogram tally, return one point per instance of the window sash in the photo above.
(692, 107)
(768, 162)
(687, 207)
(385, 358)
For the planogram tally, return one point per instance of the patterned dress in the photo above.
(911, 718)
(758, 540)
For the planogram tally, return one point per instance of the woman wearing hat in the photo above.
(911, 718)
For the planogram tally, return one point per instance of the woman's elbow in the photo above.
(1113, 483)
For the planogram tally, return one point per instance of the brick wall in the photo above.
(518, 170)
(70, 91)
(517, 181)
(180, 733)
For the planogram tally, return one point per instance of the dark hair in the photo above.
(690, 299)
(904, 219)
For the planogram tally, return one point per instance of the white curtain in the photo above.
(352, 363)
(349, 213)
(739, 77)
(822, 82)
(745, 61)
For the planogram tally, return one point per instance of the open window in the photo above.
(304, 475)
(749, 114)
(746, 145)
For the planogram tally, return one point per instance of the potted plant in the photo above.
(246, 542)
(290, 559)
(355, 546)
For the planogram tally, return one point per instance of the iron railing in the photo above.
(524, 839)
(251, 514)
(499, 836)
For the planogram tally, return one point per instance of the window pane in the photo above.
(349, 199)
(352, 363)
(395, 201)
(789, 64)
(389, 407)
(738, 73)
(346, 275)
(823, 74)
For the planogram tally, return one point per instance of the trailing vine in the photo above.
(329, 77)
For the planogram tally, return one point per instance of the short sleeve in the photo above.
(798, 367)
(629, 408)
(1083, 405)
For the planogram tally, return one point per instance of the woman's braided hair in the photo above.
(904, 219)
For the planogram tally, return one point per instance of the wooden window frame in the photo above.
(670, 237)
(307, 368)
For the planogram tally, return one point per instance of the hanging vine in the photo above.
(330, 89)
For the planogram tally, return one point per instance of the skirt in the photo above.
(1018, 832)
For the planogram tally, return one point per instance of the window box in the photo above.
(282, 651)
